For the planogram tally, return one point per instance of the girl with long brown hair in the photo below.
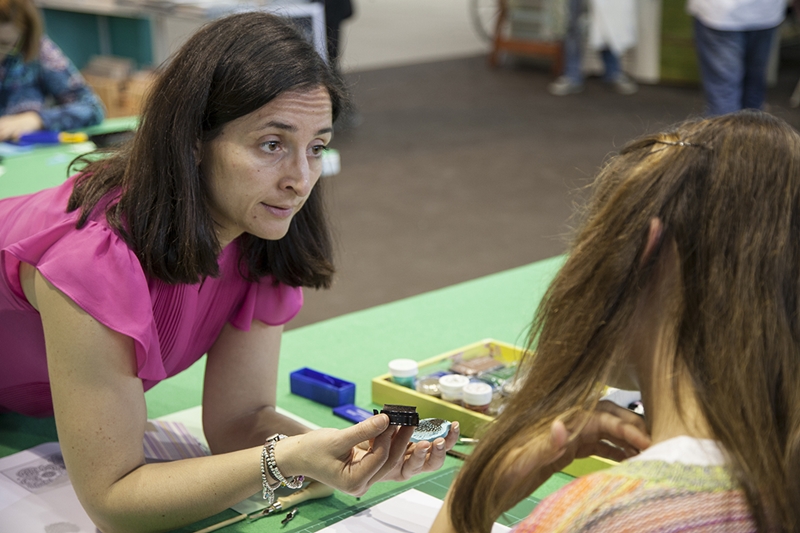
(683, 282)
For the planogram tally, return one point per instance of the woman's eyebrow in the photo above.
(278, 125)
(291, 128)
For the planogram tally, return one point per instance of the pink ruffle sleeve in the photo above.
(97, 270)
(271, 303)
(171, 326)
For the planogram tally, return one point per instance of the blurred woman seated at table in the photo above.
(40, 88)
(684, 283)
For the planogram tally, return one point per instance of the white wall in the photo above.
(382, 33)
(386, 33)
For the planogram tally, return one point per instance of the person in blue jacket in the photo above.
(40, 88)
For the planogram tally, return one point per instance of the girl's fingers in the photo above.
(620, 426)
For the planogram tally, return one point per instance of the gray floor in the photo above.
(458, 171)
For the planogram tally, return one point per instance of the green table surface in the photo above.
(355, 347)
(46, 165)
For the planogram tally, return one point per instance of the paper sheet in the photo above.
(411, 511)
(36, 495)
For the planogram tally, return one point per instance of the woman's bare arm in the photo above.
(100, 416)
(239, 389)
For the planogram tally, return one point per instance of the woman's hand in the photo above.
(422, 456)
(12, 127)
(338, 457)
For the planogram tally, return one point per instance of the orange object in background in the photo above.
(121, 89)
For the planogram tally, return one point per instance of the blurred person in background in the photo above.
(40, 88)
(336, 12)
(733, 39)
(612, 31)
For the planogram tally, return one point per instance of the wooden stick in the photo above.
(222, 524)
(313, 491)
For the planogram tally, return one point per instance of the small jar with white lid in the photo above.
(404, 372)
(451, 387)
(477, 396)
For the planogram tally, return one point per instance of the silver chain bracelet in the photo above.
(268, 463)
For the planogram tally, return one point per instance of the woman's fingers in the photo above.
(397, 453)
(434, 459)
(367, 430)
(388, 455)
(414, 461)
(452, 436)
(418, 457)
(345, 464)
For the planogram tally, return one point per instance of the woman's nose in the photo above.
(298, 176)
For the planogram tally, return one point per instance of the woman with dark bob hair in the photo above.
(684, 283)
(194, 238)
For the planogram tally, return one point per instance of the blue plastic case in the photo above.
(352, 413)
(322, 388)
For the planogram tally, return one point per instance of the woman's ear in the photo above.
(198, 151)
(654, 233)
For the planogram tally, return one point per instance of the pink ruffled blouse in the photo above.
(172, 325)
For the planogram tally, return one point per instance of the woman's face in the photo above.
(261, 168)
(9, 36)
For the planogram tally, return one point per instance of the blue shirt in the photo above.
(51, 86)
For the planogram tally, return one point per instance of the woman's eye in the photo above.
(270, 146)
(318, 149)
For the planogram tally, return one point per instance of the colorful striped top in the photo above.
(652, 493)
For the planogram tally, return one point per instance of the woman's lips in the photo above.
(278, 211)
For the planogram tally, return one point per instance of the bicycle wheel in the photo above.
(483, 14)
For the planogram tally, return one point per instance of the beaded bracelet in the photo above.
(268, 463)
(268, 491)
(296, 481)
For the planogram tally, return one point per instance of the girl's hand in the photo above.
(611, 432)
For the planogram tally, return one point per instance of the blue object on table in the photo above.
(50, 137)
(321, 387)
(38, 137)
(351, 412)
